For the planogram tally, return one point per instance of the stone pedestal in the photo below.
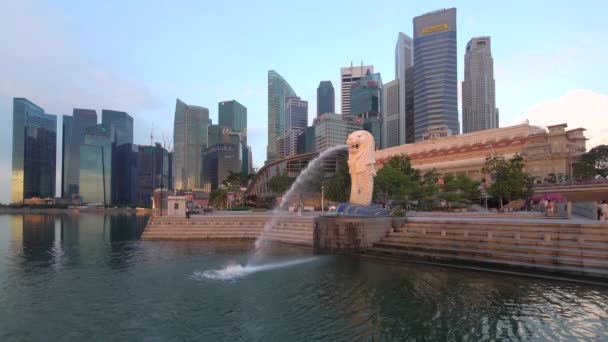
(346, 235)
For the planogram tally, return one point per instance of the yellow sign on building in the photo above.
(435, 28)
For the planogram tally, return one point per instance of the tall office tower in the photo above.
(220, 160)
(348, 76)
(333, 129)
(296, 119)
(34, 151)
(410, 131)
(120, 124)
(479, 110)
(74, 128)
(96, 155)
(366, 103)
(306, 140)
(190, 131)
(152, 172)
(404, 60)
(233, 115)
(278, 90)
(390, 128)
(326, 98)
(124, 163)
(435, 71)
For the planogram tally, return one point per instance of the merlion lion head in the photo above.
(360, 151)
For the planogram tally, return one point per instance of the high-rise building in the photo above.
(479, 110)
(333, 130)
(435, 71)
(96, 153)
(278, 90)
(34, 151)
(233, 115)
(120, 124)
(390, 131)
(296, 119)
(220, 160)
(410, 131)
(124, 154)
(152, 172)
(326, 98)
(306, 140)
(348, 76)
(366, 103)
(190, 131)
(404, 60)
(74, 128)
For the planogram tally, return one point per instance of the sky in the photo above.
(139, 56)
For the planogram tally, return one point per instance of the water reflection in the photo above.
(89, 272)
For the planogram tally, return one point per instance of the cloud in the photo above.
(40, 59)
(577, 108)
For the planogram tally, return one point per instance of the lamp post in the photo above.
(322, 197)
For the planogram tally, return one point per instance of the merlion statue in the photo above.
(361, 162)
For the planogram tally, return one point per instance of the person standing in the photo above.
(604, 211)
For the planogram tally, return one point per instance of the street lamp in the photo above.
(322, 197)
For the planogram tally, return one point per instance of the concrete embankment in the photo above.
(296, 230)
(557, 246)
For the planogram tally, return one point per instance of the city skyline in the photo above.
(527, 82)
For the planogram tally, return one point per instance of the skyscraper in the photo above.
(278, 90)
(120, 124)
(390, 129)
(34, 151)
(96, 153)
(435, 71)
(404, 60)
(478, 92)
(233, 115)
(74, 128)
(366, 103)
(189, 141)
(296, 119)
(124, 154)
(348, 76)
(326, 98)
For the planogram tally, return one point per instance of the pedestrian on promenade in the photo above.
(550, 207)
(187, 213)
(604, 211)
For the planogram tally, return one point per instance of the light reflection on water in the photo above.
(89, 277)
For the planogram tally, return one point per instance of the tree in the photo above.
(218, 197)
(594, 162)
(509, 181)
(398, 180)
(280, 183)
(238, 178)
(337, 187)
(459, 190)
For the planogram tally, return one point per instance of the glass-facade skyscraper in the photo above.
(124, 154)
(278, 90)
(96, 165)
(404, 61)
(326, 98)
(74, 128)
(190, 132)
(435, 72)
(366, 103)
(34, 151)
(478, 89)
(120, 124)
(233, 115)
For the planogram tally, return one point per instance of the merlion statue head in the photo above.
(361, 152)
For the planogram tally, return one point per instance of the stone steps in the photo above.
(499, 248)
(533, 243)
(499, 263)
(557, 246)
(292, 230)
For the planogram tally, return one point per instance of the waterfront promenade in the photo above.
(573, 247)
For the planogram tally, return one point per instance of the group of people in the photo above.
(602, 211)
